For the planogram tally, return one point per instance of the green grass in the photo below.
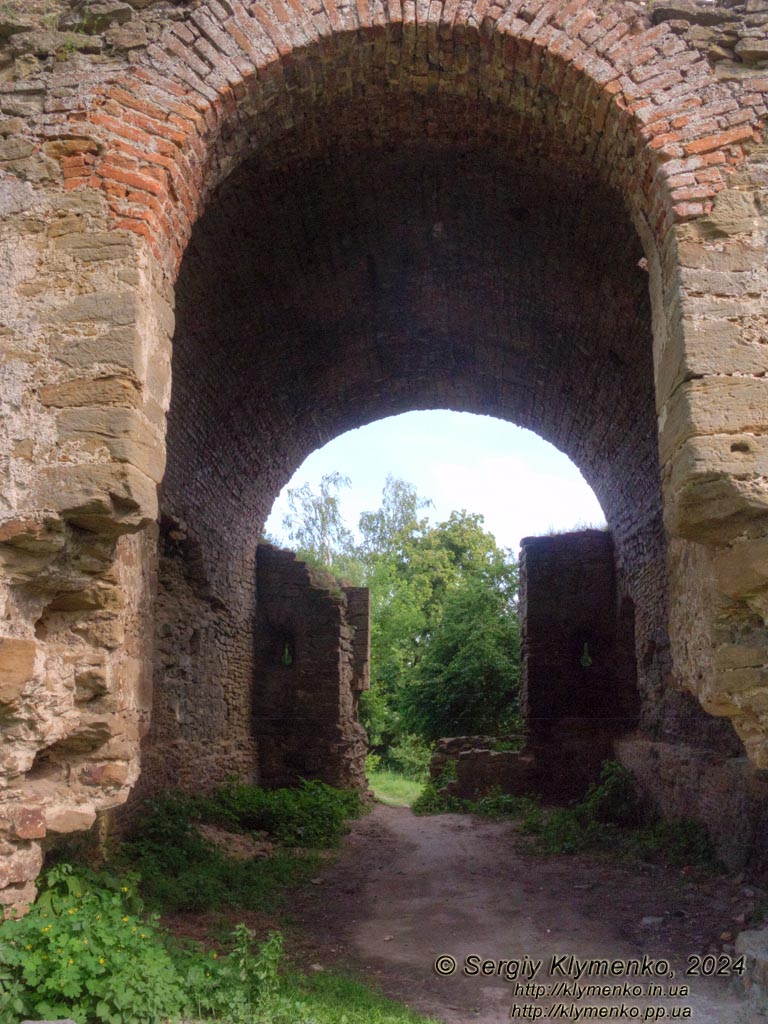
(394, 789)
(334, 998)
(181, 870)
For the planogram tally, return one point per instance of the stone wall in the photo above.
(311, 217)
(312, 642)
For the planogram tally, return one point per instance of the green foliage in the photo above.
(181, 870)
(614, 799)
(317, 529)
(84, 951)
(434, 801)
(468, 678)
(678, 843)
(409, 756)
(444, 635)
(444, 631)
(310, 815)
(608, 819)
(388, 530)
(497, 805)
(241, 988)
(324, 998)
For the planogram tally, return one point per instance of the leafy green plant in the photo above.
(608, 819)
(409, 756)
(497, 805)
(681, 843)
(311, 815)
(84, 951)
(182, 870)
(614, 799)
(433, 801)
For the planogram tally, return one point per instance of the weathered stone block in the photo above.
(17, 667)
(109, 774)
(51, 42)
(96, 16)
(120, 346)
(125, 433)
(715, 487)
(112, 499)
(91, 683)
(29, 823)
(734, 213)
(96, 248)
(120, 391)
(116, 307)
(22, 866)
(715, 405)
(69, 819)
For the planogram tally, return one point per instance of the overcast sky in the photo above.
(521, 484)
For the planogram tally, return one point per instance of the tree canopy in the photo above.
(444, 627)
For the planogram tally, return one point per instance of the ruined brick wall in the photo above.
(311, 217)
(312, 639)
(579, 684)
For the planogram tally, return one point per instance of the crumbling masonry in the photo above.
(233, 229)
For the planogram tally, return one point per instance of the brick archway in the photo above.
(574, 97)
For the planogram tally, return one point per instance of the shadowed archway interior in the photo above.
(318, 295)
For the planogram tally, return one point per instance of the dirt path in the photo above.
(407, 889)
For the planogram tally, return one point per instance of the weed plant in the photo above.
(609, 819)
(182, 870)
(85, 951)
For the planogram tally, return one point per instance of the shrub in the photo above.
(432, 801)
(678, 843)
(614, 800)
(180, 870)
(84, 951)
(312, 814)
(497, 805)
(409, 756)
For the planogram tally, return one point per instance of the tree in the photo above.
(395, 521)
(412, 581)
(316, 526)
(467, 679)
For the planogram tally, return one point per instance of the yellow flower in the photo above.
(85, 942)
(101, 959)
(71, 910)
(215, 955)
(27, 946)
(126, 919)
(124, 888)
(71, 961)
(143, 935)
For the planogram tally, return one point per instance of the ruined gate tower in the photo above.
(233, 229)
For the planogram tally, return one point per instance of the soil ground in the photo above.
(407, 889)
